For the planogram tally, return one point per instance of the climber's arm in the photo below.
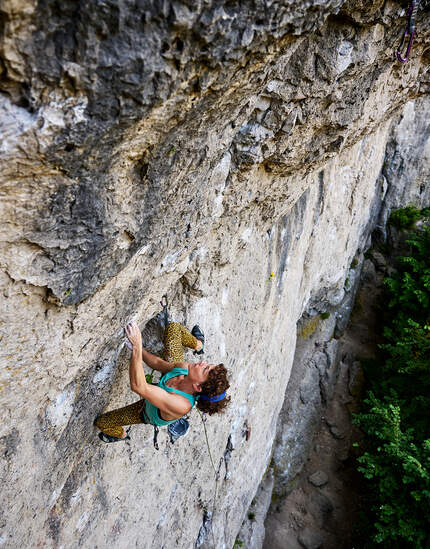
(137, 375)
(172, 404)
(153, 361)
(157, 363)
(138, 383)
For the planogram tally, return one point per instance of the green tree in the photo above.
(395, 415)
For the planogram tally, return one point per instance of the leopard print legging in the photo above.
(176, 337)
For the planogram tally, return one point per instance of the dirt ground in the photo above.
(322, 510)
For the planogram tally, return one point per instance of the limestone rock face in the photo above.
(229, 155)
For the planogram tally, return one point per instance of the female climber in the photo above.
(181, 385)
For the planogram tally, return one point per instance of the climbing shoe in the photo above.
(107, 438)
(198, 334)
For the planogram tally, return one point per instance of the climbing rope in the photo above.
(408, 35)
(165, 304)
(216, 474)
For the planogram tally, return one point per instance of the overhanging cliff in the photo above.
(232, 155)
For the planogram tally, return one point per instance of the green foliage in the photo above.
(325, 315)
(406, 217)
(149, 377)
(395, 412)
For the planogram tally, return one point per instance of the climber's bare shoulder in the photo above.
(171, 405)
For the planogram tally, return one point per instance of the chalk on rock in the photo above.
(309, 539)
(319, 478)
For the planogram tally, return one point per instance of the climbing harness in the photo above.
(178, 429)
(408, 35)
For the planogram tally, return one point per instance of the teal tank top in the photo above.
(153, 412)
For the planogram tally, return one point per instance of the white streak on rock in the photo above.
(59, 411)
(14, 121)
(245, 236)
(344, 56)
(83, 519)
(220, 173)
(103, 374)
(224, 296)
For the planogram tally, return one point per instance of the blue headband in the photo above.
(216, 398)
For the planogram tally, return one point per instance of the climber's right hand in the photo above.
(133, 334)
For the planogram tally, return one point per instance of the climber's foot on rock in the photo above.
(199, 335)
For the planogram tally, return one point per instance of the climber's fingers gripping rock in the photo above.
(133, 334)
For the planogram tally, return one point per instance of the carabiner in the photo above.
(408, 49)
(165, 310)
(409, 33)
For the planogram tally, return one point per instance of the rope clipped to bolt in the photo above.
(409, 33)
(165, 304)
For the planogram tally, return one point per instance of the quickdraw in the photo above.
(165, 309)
(408, 35)
(155, 441)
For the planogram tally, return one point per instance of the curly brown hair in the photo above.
(216, 383)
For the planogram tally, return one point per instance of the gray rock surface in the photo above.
(406, 159)
(251, 533)
(310, 540)
(293, 505)
(229, 155)
(319, 478)
(379, 261)
(369, 271)
(336, 432)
